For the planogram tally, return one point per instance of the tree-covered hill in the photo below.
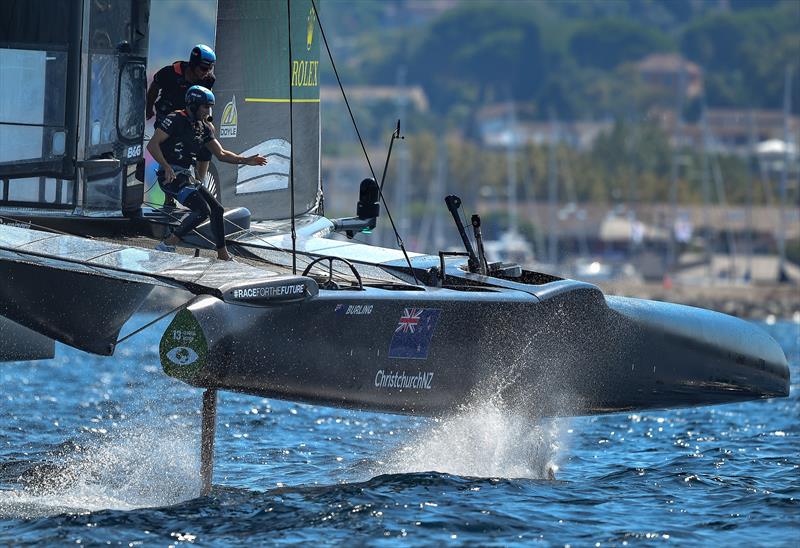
(571, 57)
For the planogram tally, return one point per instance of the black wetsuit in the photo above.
(186, 143)
(172, 81)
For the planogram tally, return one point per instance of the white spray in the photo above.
(136, 467)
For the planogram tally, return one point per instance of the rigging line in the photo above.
(361, 141)
(148, 324)
(152, 185)
(291, 140)
(19, 249)
(341, 87)
(37, 240)
(197, 279)
(48, 229)
(270, 245)
(395, 135)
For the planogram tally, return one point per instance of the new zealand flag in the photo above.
(413, 334)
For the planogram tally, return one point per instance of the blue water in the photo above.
(105, 451)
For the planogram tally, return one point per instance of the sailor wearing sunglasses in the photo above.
(167, 91)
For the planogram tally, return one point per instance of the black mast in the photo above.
(291, 142)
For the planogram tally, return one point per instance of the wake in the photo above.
(136, 467)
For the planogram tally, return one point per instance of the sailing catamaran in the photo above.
(302, 316)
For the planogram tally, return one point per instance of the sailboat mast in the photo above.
(730, 238)
(787, 103)
(552, 193)
(672, 253)
(706, 190)
(751, 167)
(440, 185)
(632, 196)
(291, 140)
(511, 167)
(403, 188)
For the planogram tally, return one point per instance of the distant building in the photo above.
(730, 130)
(652, 222)
(505, 124)
(670, 71)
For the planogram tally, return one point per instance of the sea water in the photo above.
(106, 451)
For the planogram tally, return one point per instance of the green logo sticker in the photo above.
(183, 349)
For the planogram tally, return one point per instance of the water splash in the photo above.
(136, 467)
(484, 440)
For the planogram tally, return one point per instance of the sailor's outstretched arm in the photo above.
(231, 157)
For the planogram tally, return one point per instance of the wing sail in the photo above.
(253, 94)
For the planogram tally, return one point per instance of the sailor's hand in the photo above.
(255, 160)
(149, 113)
(169, 174)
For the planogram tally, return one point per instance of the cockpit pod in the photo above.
(72, 116)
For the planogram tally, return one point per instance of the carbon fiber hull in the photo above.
(564, 349)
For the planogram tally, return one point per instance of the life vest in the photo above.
(177, 67)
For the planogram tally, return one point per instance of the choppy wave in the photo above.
(97, 450)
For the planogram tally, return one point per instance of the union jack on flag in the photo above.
(409, 320)
(413, 334)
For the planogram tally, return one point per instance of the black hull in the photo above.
(543, 345)
(567, 351)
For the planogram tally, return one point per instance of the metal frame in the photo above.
(80, 153)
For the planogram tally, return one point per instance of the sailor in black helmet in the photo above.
(183, 137)
(170, 84)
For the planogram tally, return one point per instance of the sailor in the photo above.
(183, 137)
(170, 84)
